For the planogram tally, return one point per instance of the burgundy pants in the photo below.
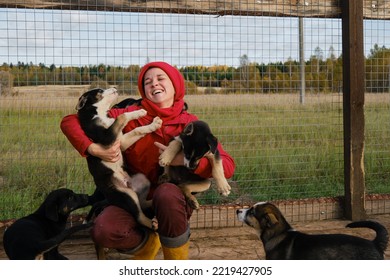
(116, 228)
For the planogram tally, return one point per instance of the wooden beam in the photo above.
(374, 9)
(353, 105)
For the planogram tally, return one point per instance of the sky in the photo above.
(78, 38)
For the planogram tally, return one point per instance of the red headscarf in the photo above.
(177, 79)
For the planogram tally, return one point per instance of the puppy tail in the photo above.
(382, 235)
(58, 239)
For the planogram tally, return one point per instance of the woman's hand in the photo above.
(178, 159)
(109, 154)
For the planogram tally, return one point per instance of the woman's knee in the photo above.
(116, 228)
(168, 193)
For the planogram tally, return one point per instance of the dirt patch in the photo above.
(231, 243)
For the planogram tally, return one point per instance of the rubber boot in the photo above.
(147, 250)
(178, 253)
(150, 248)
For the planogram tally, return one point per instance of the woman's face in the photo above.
(158, 88)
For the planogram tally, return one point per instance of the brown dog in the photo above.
(282, 242)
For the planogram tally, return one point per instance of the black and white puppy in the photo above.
(112, 179)
(282, 242)
(196, 141)
(38, 235)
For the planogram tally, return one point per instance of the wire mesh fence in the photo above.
(243, 76)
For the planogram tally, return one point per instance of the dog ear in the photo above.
(189, 129)
(51, 210)
(271, 219)
(213, 143)
(81, 103)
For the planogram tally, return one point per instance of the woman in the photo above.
(162, 89)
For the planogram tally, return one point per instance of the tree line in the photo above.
(321, 75)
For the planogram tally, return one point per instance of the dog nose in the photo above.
(238, 211)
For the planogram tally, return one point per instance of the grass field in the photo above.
(282, 149)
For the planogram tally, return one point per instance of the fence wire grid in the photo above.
(243, 76)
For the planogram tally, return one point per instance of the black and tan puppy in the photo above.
(282, 242)
(38, 235)
(196, 141)
(112, 179)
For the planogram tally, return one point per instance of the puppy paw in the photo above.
(139, 113)
(193, 203)
(135, 114)
(224, 189)
(154, 224)
(170, 152)
(157, 123)
(165, 159)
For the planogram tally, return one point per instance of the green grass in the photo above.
(282, 149)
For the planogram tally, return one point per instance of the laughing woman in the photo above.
(162, 89)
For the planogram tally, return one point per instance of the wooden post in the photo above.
(353, 105)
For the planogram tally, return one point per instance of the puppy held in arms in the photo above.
(112, 179)
(196, 141)
(282, 242)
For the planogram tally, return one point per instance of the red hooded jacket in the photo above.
(142, 157)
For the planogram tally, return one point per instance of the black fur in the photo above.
(128, 102)
(195, 144)
(39, 234)
(132, 101)
(196, 141)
